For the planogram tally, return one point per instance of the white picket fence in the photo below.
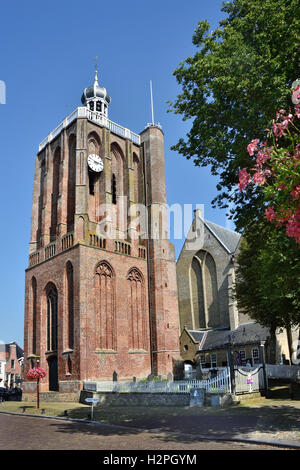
(219, 384)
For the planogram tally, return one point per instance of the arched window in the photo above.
(96, 188)
(197, 294)
(98, 106)
(70, 305)
(204, 291)
(113, 189)
(136, 310)
(118, 168)
(34, 314)
(138, 180)
(55, 191)
(212, 295)
(52, 298)
(41, 199)
(105, 307)
(71, 183)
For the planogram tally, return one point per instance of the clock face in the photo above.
(95, 162)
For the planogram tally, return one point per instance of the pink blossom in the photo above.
(259, 178)
(262, 156)
(296, 95)
(244, 179)
(270, 214)
(293, 226)
(36, 373)
(296, 192)
(252, 147)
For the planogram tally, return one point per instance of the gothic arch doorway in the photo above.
(53, 373)
(52, 339)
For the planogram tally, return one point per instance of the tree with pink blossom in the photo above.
(277, 168)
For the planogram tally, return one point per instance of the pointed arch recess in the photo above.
(136, 310)
(204, 291)
(69, 303)
(52, 316)
(105, 306)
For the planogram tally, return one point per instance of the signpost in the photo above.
(250, 382)
(93, 401)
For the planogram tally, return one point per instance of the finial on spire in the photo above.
(96, 71)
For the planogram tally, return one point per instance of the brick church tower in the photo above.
(101, 292)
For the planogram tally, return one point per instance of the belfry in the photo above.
(101, 292)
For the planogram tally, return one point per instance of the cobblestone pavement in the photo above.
(29, 433)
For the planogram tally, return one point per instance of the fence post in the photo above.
(231, 367)
(263, 362)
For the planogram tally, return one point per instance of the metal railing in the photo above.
(93, 116)
(220, 384)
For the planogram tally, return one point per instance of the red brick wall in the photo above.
(115, 328)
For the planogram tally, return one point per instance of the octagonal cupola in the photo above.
(96, 98)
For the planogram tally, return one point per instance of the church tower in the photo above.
(101, 292)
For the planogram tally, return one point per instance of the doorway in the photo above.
(53, 374)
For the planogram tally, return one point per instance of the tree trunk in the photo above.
(271, 359)
(290, 342)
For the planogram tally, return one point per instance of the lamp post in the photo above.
(37, 373)
(263, 362)
(230, 366)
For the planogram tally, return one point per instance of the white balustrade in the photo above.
(100, 119)
(220, 384)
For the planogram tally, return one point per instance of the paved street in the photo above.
(29, 433)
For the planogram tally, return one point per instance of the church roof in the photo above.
(228, 238)
(247, 333)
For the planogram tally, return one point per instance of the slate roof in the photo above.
(229, 238)
(247, 333)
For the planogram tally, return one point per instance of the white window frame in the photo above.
(213, 362)
(202, 361)
(242, 354)
(254, 357)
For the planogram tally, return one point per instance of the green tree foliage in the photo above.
(240, 75)
(268, 276)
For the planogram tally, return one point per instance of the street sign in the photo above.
(92, 400)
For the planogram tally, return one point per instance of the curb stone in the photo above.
(247, 440)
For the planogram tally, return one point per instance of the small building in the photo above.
(2, 364)
(208, 348)
(13, 365)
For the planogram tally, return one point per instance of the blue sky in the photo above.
(47, 60)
